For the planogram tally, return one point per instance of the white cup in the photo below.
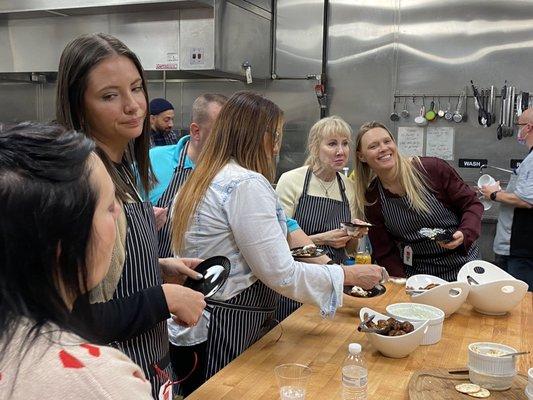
(485, 179)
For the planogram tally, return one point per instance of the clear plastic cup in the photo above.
(292, 381)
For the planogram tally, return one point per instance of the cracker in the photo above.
(482, 394)
(467, 388)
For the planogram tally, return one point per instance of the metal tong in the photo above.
(364, 328)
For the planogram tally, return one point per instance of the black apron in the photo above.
(178, 178)
(316, 215)
(237, 323)
(141, 271)
(404, 224)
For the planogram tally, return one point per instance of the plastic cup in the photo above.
(485, 179)
(292, 380)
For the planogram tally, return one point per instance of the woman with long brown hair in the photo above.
(228, 207)
(402, 195)
(101, 92)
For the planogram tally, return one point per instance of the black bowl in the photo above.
(215, 271)
(376, 291)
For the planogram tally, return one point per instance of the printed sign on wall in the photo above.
(411, 141)
(439, 142)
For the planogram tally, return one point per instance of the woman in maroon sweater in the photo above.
(401, 195)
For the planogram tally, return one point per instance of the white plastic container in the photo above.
(529, 387)
(487, 369)
(354, 374)
(413, 312)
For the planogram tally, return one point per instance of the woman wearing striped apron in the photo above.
(101, 91)
(181, 173)
(228, 207)
(316, 195)
(400, 196)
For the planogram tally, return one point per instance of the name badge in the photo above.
(408, 256)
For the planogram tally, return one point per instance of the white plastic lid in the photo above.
(354, 348)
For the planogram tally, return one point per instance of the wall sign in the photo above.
(472, 162)
(515, 163)
(411, 141)
(439, 142)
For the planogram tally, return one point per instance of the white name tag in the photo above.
(408, 256)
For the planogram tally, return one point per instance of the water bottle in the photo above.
(354, 374)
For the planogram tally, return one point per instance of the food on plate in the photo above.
(307, 251)
(482, 394)
(391, 327)
(359, 291)
(427, 287)
(467, 388)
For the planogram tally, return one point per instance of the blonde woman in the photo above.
(228, 207)
(401, 195)
(317, 195)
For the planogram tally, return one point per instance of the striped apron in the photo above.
(428, 257)
(237, 323)
(316, 215)
(178, 178)
(141, 271)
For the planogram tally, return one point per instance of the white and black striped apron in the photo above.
(141, 271)
(404, 224)
(315, 215)
(237, 323)
(178, 178)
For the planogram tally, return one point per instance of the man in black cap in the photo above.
(161, 122)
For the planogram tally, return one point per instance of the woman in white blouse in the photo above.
(228, 207)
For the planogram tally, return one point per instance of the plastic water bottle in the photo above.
(354, 374)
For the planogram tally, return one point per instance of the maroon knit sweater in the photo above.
(448, 188)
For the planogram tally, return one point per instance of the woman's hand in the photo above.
(160, 216)
(458, 239)
(366, 276)
(185, 305)
(336, 238)
(360, 231)
(176, 270)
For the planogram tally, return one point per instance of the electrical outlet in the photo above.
(197, 56)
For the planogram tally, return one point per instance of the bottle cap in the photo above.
(349, 261)
(354, 348)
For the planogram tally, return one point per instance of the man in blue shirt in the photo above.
(512, 243)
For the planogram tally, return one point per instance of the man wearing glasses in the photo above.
(512, 243)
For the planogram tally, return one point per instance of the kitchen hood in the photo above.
(219, 38)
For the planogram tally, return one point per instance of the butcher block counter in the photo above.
(322, 344)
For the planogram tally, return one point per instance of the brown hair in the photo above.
(200, 110)
(238, 133)
(78, 59)
(410, 177)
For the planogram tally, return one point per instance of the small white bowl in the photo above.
(529, 392)
(395, 346)
(488, 370)
(448, 296)
(496, 291)
(417, 313)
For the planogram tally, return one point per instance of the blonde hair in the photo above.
(238, 133)
(323, 128)
(411, 179)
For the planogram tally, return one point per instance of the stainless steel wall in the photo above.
(376, 49)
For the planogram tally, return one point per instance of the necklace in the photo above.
(324, 186)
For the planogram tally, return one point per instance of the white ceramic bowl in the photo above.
(529, 392)
(488, 370)
(418, 313)
(496, 291)
(395, 346)
(529, 387)
(448, 296)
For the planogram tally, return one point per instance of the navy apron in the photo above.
(237, 323)
(403, 223)
(178, 178)
(141, 271)
(315, 215)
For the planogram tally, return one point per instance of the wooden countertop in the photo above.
(323, 344)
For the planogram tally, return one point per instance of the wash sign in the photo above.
(472, 162)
